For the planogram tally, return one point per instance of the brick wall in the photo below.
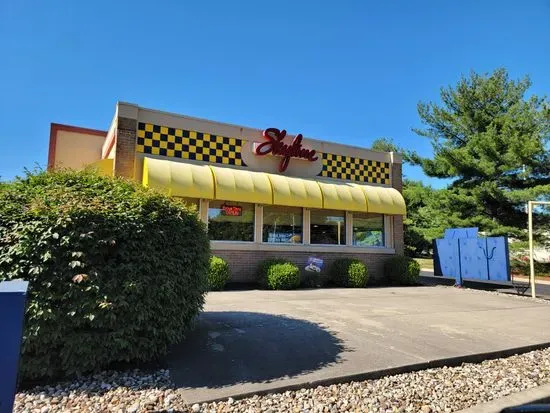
(244, 264)
(397, 183)
(126, 136)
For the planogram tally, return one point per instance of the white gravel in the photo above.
(434, 390)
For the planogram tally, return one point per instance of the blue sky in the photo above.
(345, 71)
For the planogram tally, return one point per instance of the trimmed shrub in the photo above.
(117, 272)
(401, 270)
(348, 272)
(279, 274)
(219, 274)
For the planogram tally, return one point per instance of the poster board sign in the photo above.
(314, 264)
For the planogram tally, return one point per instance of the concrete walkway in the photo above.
(259, 341)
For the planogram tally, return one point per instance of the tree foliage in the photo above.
(493, 141)
(116, 272)
(427, 216)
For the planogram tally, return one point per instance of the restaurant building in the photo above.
(262, 192)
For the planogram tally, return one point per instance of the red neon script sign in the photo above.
(274, 145)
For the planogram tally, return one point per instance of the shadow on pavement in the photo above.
(232, 347)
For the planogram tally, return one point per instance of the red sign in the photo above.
(232, 211)
(274, 145)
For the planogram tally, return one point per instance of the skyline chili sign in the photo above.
(274, 145)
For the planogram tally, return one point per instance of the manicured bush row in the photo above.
(348, 272)
(401, 270)
(117, 272)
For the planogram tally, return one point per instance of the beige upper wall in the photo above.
(246, 133)
(296, 167)
(72, 147)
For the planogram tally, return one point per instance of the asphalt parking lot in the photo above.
(257, 341)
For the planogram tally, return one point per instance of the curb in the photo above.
(539, 394)
(373, 375)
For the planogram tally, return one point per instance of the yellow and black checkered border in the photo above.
(355, 169)
(187, 144)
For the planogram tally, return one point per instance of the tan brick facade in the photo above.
(244, 264)
(143, 133)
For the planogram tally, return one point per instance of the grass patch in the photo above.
(427, 263)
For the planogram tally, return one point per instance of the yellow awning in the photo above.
(384, 200)
(295, 192)
(178, 178)
(343, 196)
(240, 185)
(214, 182)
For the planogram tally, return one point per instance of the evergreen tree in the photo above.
(493, 141)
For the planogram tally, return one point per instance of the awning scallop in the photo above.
(178, 178)
(383, 200)
(299, 192)
(244, 186)
(343, 196)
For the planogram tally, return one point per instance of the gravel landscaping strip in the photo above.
(434, 390)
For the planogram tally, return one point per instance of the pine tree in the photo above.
(493, 141)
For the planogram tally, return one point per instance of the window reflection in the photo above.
(230, 221)
(328, 227)
(368, 230)
(282, 225)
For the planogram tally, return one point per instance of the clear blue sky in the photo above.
(347, 71)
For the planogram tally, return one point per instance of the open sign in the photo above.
(231, 210)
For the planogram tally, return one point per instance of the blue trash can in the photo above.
(13, 295)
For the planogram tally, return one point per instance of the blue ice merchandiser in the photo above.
(13, 295)
(463, 255)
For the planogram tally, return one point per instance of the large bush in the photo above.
(219, 273)
(117, 272)
(278, 274)
(401, 270)
(348, 272)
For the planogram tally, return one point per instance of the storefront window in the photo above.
(230, 221)
(368, 230)
(328, 227)
(282, 225)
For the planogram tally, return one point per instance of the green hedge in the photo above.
(117, 272)
(348, 272)
(401, 270)
(219, 274)
(278, 274)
